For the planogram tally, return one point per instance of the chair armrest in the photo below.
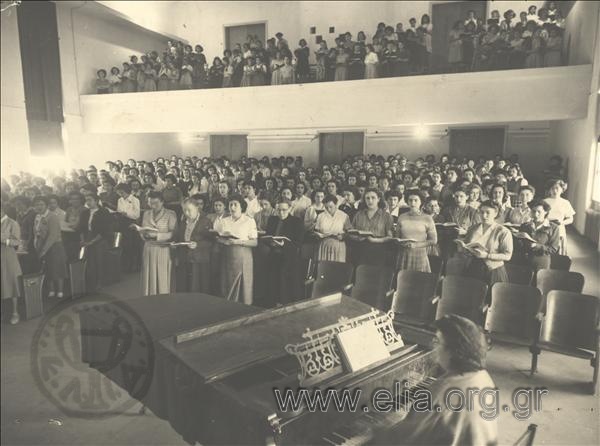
(435, 300)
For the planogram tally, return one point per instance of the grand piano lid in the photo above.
(220, 350)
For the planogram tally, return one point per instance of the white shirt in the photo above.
(243, 228)
(253, 207)
(130, 207)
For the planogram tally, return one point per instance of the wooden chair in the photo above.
(77, 278)
(455, 266)
(415, 298)
(554, 279)
(560, 262)
(33, 285)
(331, 277)
(373, 286)
(570, 327)
(436, 264)
(462, 296)
(512, 315)
(519, 274)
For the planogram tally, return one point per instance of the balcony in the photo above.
(540, 94)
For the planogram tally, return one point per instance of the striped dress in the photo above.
(157, 265)
(331, 248)
(419, 227)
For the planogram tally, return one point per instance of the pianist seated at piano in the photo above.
(487, 263)
(545, 233)
(237, 264)
(284, 236)
(193, 258)
(461, 352)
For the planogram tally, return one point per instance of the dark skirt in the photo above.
(55, 262)
(367, 253)
(95, 268)
(477, 269)
(193, 277)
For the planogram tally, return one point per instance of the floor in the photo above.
(568, 415)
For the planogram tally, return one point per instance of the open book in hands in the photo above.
(279, 239)
(473, 247)
(403, 240)
(360, 233)
(226, 234)
(523, 236)
(143, 228)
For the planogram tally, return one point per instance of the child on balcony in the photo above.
(115, 80)
(102, 83)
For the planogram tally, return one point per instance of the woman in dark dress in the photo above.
(284, 271)
(96, 235)
(302, 66)
(193, 260)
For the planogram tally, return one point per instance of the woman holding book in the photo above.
(487, 246)
(284, 235)
(416, 233)
(377, 226)
(329, 228)
(158, 227)
(237, 236)
(545, 233)
(194, 244)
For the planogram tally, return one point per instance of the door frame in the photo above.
(257, 22)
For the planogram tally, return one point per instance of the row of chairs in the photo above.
(552, 316)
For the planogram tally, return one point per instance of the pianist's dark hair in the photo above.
(465, 341)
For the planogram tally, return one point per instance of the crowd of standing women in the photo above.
(531, 41)
(246, 229)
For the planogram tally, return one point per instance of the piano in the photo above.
(215, 383)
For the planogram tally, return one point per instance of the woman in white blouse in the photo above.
(371, 63)
(237, 236)
(330, 228)
(561, 210)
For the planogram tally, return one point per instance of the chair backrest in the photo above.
(436, 263)
(519, 274)
(512, 312)
(414, 292)
(371, 285)
(331, 278)
(553, 279)
(561, 262)
(455, 266)
(571, 320)
(77, 278)
(462, 296)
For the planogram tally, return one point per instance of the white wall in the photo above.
(14, 136)
(103, 44)
(435, 99)
(575, 140)
(84, 42)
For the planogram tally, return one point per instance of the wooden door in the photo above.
(239, 34)
(444, 15)
(476, 142)
(231, 146)
(335, 147)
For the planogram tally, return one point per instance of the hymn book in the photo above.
(472, 247)
(362, 346)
